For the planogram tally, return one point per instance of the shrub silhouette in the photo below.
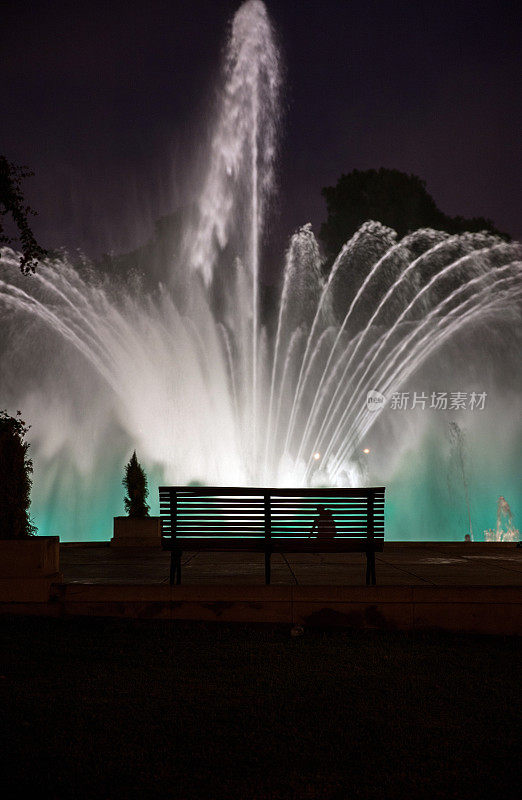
(15, 480)
(135, 482)
(12, 202)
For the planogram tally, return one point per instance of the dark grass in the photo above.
(130, 709)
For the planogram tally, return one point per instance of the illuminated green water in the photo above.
(425, 498)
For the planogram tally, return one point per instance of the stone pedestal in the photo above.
(134, 532)
(28, 567)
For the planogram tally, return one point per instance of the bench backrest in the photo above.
(259, 513)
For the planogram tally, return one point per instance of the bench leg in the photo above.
(267, 568)
(370, 568)
(175, 567)
(172, 579)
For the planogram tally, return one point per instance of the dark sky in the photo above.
(109, 104)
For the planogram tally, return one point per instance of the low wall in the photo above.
(477, 609)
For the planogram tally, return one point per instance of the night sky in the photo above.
(110, 103)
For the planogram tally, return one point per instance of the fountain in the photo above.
(458, 446)
(195, 378)
(505, 530)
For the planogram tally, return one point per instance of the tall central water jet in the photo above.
(241, 175)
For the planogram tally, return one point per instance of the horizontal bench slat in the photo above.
(240, 535)
(279, 520)
(194, 491)
(280, 507)
(282, 524)
(276, 545)
(305, 525)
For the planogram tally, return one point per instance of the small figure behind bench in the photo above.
(325, 524)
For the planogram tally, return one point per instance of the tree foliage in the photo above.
(15, 481)
(12, 202)
(394, 198)
(135, 483)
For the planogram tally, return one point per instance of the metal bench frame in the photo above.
(261, 520)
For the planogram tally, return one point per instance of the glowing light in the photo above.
(366, 450)
(317, 456)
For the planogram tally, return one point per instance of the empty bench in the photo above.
(252, 520)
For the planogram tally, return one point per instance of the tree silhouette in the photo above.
(135, 482)
(394, 198)
(12, 202)
(15, 481)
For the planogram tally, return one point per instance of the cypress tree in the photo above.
(135, 483)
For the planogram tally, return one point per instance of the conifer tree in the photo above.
(135, 482)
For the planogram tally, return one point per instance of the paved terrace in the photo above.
(401, 564)
(455, 587)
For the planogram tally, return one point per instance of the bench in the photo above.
(258, 520)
